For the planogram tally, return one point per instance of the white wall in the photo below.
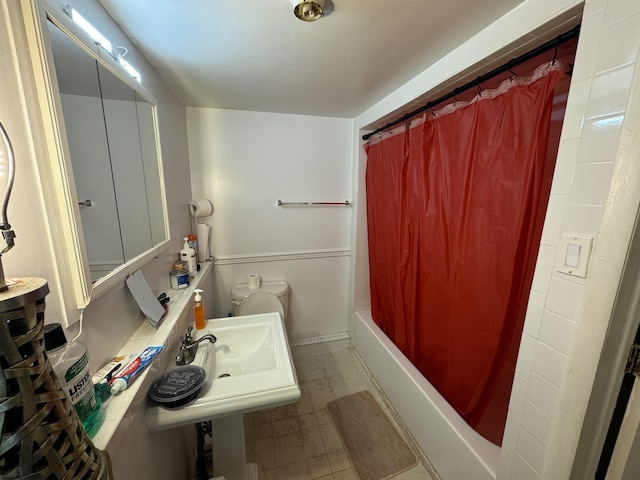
(592, 195)
(245, 162)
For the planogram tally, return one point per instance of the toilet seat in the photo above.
(261, 302)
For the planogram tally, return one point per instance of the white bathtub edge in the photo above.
(456, 451)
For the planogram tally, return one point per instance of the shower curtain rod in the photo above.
(514, 62)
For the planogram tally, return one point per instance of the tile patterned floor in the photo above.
(299, 441)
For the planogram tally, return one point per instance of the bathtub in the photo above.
(454, 449)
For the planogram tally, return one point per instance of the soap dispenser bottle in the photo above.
(198, 310)
(188, 254)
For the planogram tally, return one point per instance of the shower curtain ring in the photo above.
(456, 91)
(478, 81)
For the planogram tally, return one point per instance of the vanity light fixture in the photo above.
(100, 40)
(89, 29)
(129, 69)
(308, 10)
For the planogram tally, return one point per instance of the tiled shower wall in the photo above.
(567, 316)
(541, 433)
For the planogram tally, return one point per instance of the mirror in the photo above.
(111, 133)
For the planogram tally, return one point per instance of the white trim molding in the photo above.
(330, 337)
(282, 256)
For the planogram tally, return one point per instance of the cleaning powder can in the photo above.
(179, 277)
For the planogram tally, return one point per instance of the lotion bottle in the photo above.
(188, 254)
(198, 310)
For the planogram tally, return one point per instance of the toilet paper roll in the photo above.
(203, 236)
(253, 281)
(201, 208)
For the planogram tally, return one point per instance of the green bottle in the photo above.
(70, 362)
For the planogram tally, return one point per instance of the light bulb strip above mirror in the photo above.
(110, 56)
(89, 29)
(100, 40)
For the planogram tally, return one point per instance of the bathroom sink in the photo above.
(248, 368)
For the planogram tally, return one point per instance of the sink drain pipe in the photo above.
(204, 459)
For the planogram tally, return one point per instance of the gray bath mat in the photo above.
(376, 448)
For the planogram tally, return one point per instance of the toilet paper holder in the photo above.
(201, 208)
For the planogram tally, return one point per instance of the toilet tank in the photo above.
(280, 289)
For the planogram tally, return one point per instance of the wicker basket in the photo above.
(42, 435)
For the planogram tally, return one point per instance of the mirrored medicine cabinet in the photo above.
(105, 166)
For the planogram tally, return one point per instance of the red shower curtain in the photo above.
(455, 208)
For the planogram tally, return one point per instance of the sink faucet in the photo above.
(189, 347)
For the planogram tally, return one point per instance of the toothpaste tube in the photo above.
(112, 368)
(129, 373)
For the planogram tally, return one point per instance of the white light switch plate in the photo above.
(574, 253)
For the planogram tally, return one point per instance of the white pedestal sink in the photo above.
(229, 456)
(249, 368)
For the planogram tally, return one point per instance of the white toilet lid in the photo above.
(261, 302)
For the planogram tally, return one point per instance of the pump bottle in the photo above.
(198, 310)
(188, 254)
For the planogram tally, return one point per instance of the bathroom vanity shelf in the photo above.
(120, 409)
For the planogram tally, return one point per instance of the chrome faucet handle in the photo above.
(189, 347)
(186, 354)
(187, 336)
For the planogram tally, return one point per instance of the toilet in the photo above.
(270, 296)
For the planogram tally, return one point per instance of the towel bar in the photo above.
(346, 203)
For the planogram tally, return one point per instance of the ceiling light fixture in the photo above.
(308, 10)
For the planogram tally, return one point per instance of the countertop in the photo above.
(120, 409)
